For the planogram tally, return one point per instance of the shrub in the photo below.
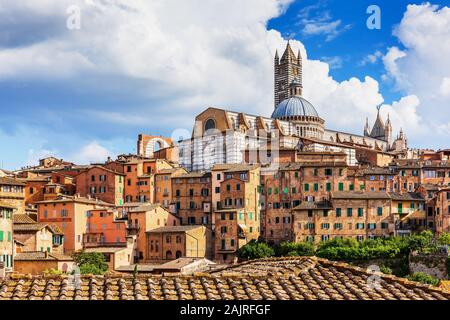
(295, 249)
(91, 263)
(385, 269)
(423, 278)
(255, 250)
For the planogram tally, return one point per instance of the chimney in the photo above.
(46, 254)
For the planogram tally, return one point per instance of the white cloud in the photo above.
(445, 87)
(372, 58)
(91, 153)
(421, 67)
(34, 155)
(335, 62)
(183, 59)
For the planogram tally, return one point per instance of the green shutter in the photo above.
(1, 235)
(316, 187)
(9, 236)
(306, 187)
(338, 212)
(351, 187)
(341, 186)
(286, 190)
(328, 186)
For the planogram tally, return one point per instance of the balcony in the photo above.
(133, 228)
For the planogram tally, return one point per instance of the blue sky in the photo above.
(149, 67)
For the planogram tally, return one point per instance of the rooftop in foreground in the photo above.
(293, 278)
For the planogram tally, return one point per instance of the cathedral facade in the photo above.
(224, 136)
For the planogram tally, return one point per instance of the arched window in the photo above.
(178, 254)
(210, 124)
(168, 255)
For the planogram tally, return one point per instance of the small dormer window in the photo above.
(210, 124)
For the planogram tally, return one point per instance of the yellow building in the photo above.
(6, 236)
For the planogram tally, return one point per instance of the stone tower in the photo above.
(288, 75)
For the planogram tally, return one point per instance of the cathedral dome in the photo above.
(295, 106)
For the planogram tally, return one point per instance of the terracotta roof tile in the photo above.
(299, 278)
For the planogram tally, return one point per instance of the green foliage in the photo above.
(422, 242)
(295, 249)
(52, 271)
(350, 249)
(385, 269)
(423, 278)
(91, 263)
(255, 250)
(444, 239)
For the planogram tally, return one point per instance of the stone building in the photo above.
(12, 192)
(144, 218)
(35, 236)
(173, 242)
(191, 198)
(442, 210)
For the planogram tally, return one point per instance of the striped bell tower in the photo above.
(288, 75)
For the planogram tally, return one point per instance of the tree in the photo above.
(91, 263)
(255, 250)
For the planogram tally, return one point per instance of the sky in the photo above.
(80, 79)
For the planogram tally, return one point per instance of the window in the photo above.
(379, 211)
(349, 212)
(223, 230)
(228, 187)
(269, 191)
(325, 226)
(328, 171)
(310, 213)
(238, 187)
(276, 190)
(128, 168)
(351, 187)
(341, 186)
(219, 177)
(309, 226)
(306, 187)
(371, 226)
(210, 124)
(384, 225)
(338, 212)
(325, 213)
(316, 172)
(232, 242)
(360, 226)
(328, 186)
(338, 226)
(360, 212)
(92, 178)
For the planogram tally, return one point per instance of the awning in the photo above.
(416, 214)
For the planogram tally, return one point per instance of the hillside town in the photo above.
(191, 205)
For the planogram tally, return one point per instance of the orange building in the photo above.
(70, 214)
(101, 183)
(105, 227)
